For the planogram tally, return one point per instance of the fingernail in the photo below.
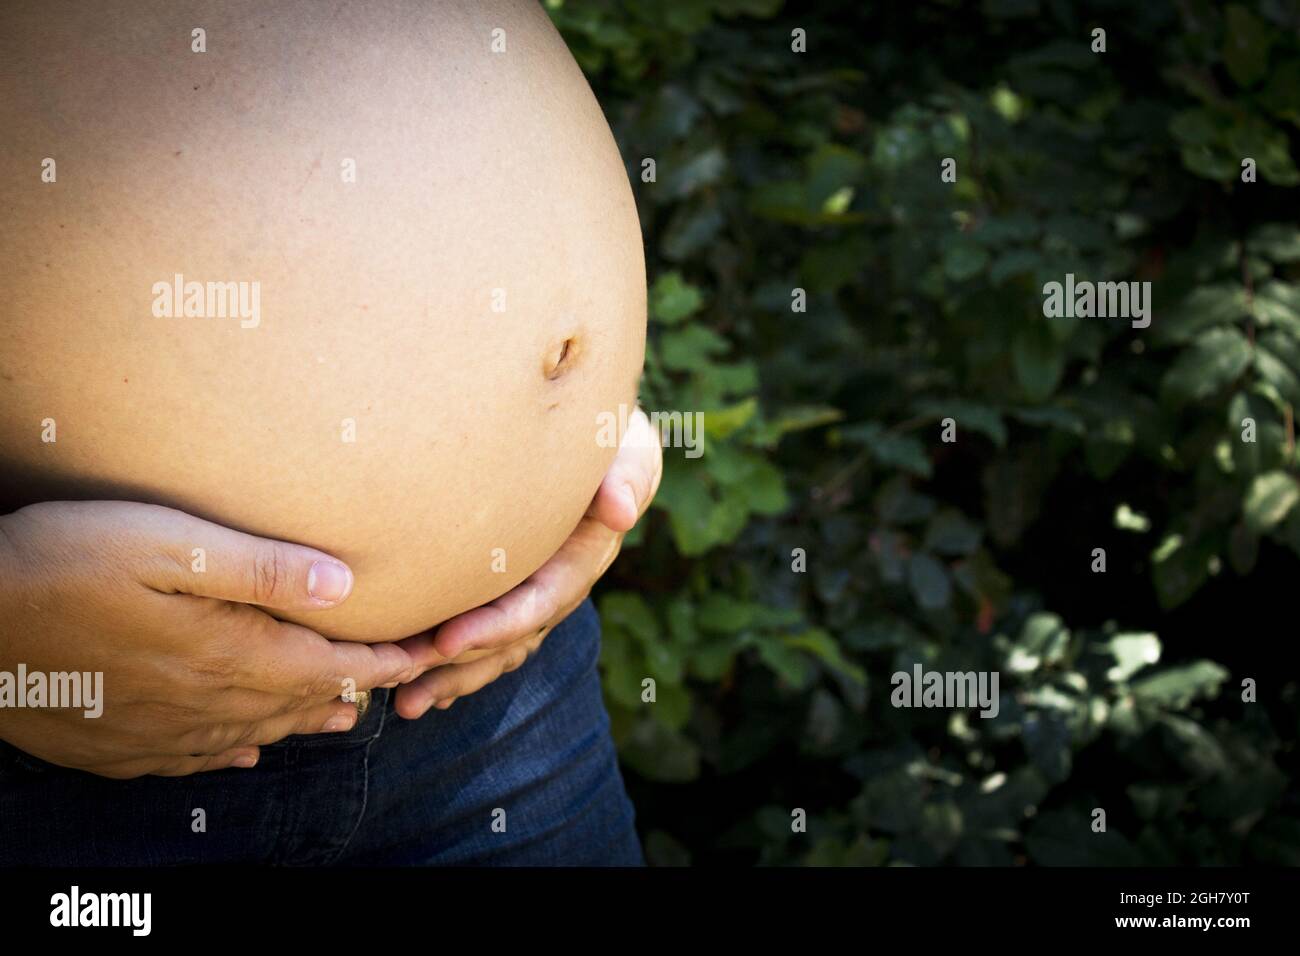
(630, 497)
(337, 723)
(327, 581)
(245, 761)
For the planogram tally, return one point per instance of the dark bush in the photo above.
(921, 466)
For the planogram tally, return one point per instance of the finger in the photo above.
(242, 757)
(560, 583)
(336, 717)
(328, 718)
(184, 766)
(291, 659)
(208, 560)
(523, 610)
(632, 480)
(414, 699)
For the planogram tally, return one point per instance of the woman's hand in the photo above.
(498, 637)
(194, 678)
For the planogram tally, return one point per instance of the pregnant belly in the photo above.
(382, 317)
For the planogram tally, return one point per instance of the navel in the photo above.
(560, 358)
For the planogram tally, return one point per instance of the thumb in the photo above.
(632, 480)
(209, 560)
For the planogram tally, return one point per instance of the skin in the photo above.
(475, 172)
(381, 411)
(196, 678)
(510, 628)
(200, 677)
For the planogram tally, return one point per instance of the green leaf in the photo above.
(899, 451)
(1270, 497)
(1277, 373)
(725, 614)
(681, 620)
(898, 503)
(698, 522)
(702, 169)
(1044, 640)
(691, 228)
(713, 659)
(630, 612)
(1038, 360)
(1279, 95)
(795, 418)
(1206, 307)
(950, 532)
(1195, 127)
(1209, 163)
(763, 489)
(1177, 687)
(1268, 146)
(1277, 241)
(1126, 519)
(664, 662)
(1010, 227)
(1215, 360)
(1007, 104)
(748, 479)
(1178, 570)
(963, 259)
(929, 581)
(1132, 652)
(1277, 305)
(1245, 46)
(1052, 416)
(688, 349)
(672, 704)
(832, 171)
(672, 298)
(1195, 749)
(622, 666)
(822, 646)
(732, 378)
(1015, 262)
(659, 753)
(787, 662)
(975, 416)
(722, 422)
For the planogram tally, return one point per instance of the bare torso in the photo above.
(394, 398)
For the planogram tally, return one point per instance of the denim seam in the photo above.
(365, 786)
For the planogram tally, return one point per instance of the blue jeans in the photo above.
(523, 772)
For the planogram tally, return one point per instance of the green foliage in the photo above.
(829, 536)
